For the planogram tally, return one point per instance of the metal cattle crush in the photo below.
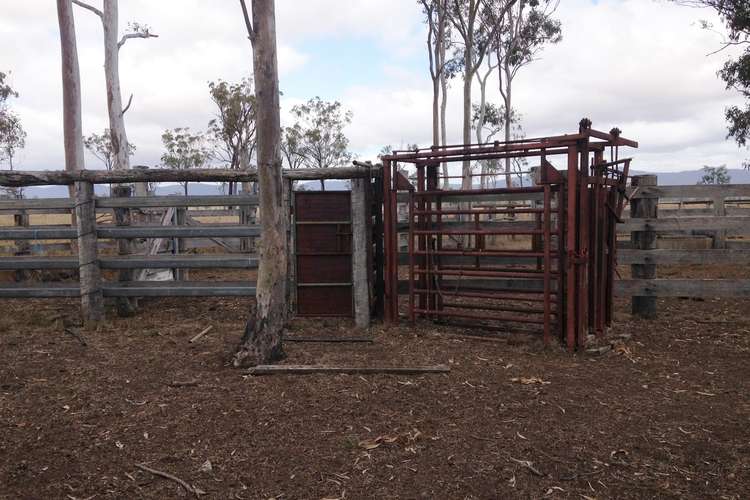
(478, 254)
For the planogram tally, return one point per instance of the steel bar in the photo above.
(528, 297)
(490, 307)
(485, 317)
(482, 211)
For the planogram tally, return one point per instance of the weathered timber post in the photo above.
(287, 203)
(644, 205)
(360, 252)
(180, 219)
(21, 219)
(720, 236)
(125, 306)
(141, 188)
(92, 302)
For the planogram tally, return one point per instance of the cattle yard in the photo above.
(495, 286)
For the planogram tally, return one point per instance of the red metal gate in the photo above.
(451, 266)
(323, 236)
(567, 286)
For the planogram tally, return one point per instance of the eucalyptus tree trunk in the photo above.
(71, 85)
(468, 79)
(482, 113)
(112, 77)
(507, 99)
(443, 106)
(261, 342)
(109, 18)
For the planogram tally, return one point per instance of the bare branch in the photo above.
(248, 24)
(127, 107)
(88, 7)
(128, 36)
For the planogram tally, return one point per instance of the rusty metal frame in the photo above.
(574, 237)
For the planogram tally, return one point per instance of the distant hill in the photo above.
(688, 177)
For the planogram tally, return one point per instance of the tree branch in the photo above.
(248, 24)
(128, 36)
(88, 7)
(130, 101)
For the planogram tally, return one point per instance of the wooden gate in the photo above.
(324, 253)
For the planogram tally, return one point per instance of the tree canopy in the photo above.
(715, 175)
(317, 139)
(184, 150)
(100, 145)
(233, 129)
(12, 134)
(736, 71)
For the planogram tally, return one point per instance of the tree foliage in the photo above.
(736, 72)
(184, 150)
(715, 175)
(12, 134)
(233, 129)
(100, 145)
(317, 139)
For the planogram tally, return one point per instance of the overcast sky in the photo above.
(641, 65)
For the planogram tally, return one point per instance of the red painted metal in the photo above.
(568, 266)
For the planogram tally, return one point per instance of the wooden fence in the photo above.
(686, 215)
(90, 236)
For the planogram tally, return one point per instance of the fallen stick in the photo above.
(356, 370)
(201, 334)
(480, 338)
(529, 465)
(78, 335)
(196, 491)
(186, 383)
(328, 339)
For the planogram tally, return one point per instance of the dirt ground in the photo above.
(664, 414)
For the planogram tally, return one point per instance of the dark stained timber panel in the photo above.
(324, 268)
(325, 301)
(332, 206)
(319, 238)
(324, 253)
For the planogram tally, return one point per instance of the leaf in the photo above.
(371, 444)
(530, 380)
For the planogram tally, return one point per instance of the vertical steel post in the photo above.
(571, 237)
(583, 246)
(387, 237)
(547, 261)
(412, 315)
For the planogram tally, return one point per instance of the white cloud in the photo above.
(637, 64)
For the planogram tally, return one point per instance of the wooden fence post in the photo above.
(92, 302)
(125, 306)
(644, 205)
(361, 229)
(291, 241)
(21, 219)
(720, 236)
(180, 219)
